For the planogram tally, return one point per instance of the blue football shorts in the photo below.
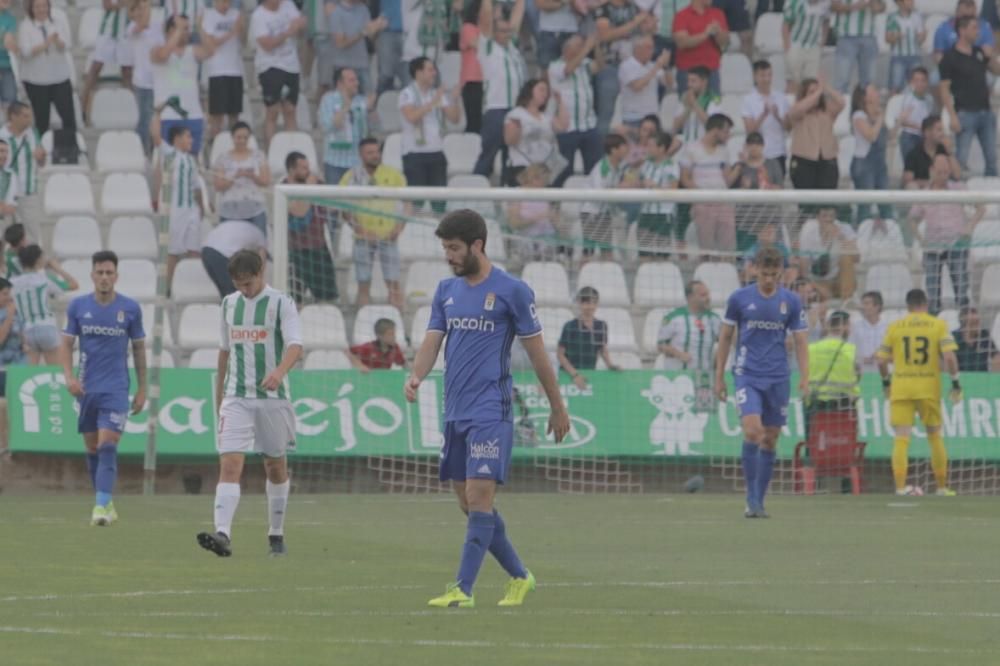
(767, 398)
(475, 450)
(103, 411)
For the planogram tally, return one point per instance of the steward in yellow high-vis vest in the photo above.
(834, 373)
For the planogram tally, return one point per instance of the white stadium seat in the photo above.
(608, 278)
(418, 325)
(287, 142)
(166, 358)
(199, 326)
(323, 327)
(148, 313)
(986, 242)
(736, 74)
(223, 143)
(552, 321)
(137, 279)
(462, 150)
(133, 238)
(206, 358)
(881, 246)
(989, 184)
(387, 112)
(76, 236)
(721, 279)
(114, 109)
(88, 28)
(80, 270)
(422, 280)
(191, 283)
(950, 317)
(651, 329)
(378, 291)
(120, 151)
(767, 34)
(549, 281)
(468, 181)
(68, 194)
(417, 240)
(732, 106)
(497, 245)
(126, 193)
(989, 295)
(449, 64)
(82, 165)
(893, 280)
(364, 323)
(621, 332)
(392, 151)
(658, 283)
(327, 359)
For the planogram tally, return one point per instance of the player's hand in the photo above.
(139, 401)
(580, 381)
(74, 387)
(804, 387)
(721, 392)
(272, 381)
(955, 395)
(410, 388)
(558, 424)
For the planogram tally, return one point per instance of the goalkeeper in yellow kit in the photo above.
(915, 346)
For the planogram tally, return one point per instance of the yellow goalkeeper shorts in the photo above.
(901, 412)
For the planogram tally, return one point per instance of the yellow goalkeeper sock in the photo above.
(939, 459)
(899, 460)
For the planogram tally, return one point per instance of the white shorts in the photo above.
(185, 231)
(254, 425)
(108, 50)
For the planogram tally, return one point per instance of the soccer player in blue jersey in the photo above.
(762, 315)
(480, 311)
(105, 322)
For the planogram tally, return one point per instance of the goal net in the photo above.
(659, 265)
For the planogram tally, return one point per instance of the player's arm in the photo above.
(883, 357)
(139, 358)
(559, 417)
(291, 331)
(951, 367)
(220, 377)
(423, 362)
(802, 356)
(721, 357)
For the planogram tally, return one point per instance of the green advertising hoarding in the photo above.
(345, 413)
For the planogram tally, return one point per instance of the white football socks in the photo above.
(277, 502)
(227, 498)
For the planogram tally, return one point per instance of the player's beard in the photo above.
(469, 266)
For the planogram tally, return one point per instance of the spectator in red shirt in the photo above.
(702, 35)
(381, 353)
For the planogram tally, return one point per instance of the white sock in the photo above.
(277, 502)
(227, 498)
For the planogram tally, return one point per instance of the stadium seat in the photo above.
(468, 181)
(120, 151)
(995, 330)
(986, 242)
(721, 279)
(76, 237)
(881, 246)
(379, 293)
(777, 67)
(658, 283)
(736, 74)
(621, 332)
(577, 182)
(449, 64)
(206, 358)
(167, 333)
(417, 241)
(462, 150)
(844, 156)
(609, 280)
(82, 165)
(842, 125)
(497, 243)
(137, 279)
(422, 280)
(625, 360)
(199, 326)
(303, 115)
(285, 142)
(392, 151)
(80, 270)
(767, 34)
(364, 323)
(552, 321)
(950, 317)
(418, 325)
(387, 111)
(549, 281)
(323, 327)
(988, 184)
(68, 194)
(327, 359)
(191, 283)
(114, 109)
(732, 106)
(133, 238)
(651, 329)
(223, 143)
(126, 193)
(88, 28)
(893, 280)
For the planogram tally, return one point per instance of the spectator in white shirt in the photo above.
(868, 331)
(42, 41)
(917, 104)
(705, 165)
(145, 34)
(175, 81)
(572, 76)
(274, 26)
(638, 77)
(765, 110)
(530, 131)
(423, 107)
(222, 27)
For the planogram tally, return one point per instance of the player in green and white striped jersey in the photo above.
(8, 184)
(854, 23)
(656, 218)
(32, 289)
(111, 47)
(26, 153)
(261, 340)
(698, 103)
(905, 33)
(689, 334)
(804, 32)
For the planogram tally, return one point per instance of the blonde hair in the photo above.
(534, 171)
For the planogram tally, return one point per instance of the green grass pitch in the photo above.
(655, 579)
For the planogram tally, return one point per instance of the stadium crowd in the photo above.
(202, 106)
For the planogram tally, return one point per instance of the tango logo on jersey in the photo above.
(93, 329)
(765, 325)
(488, 450)
(491, 300)
(472, 324)
(248, 334)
